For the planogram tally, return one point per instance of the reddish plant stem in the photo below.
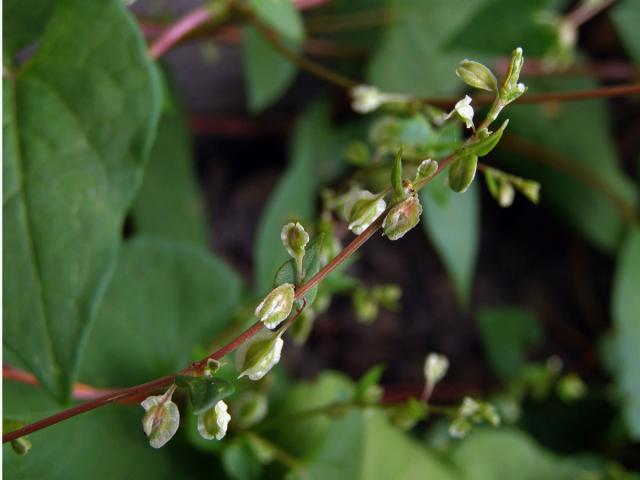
(81, 391)
(179, 29)
(586, 11)
(146, 388)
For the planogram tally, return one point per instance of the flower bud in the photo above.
(459, 427)
(406, 415)
(250, 409)
(161, 419)
(366, 98)
(259, 354)
(435, 368)
(213, 423)
(426, 169)
(511, 89)
(469, 407)
(463, 110)
(365, 210)
(477, 75)
(276, 306)
(295, 239)
(530, 189)
(387, 295)
(571, 387)
(365, 305)
(21, 445)
(402, 218)
(357, 153)
(462, 173)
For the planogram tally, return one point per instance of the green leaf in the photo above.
(579, 132)
(502, 24)
(267, 73)
(310, 266)
(204, 392)
(412, 57)
(377, 451)
(452, 223)
(104, 444)
(165, 299)
(28, 21)
(315, 158)
(625, 310)
(626, 17)
(488, 455)
(240, 462)
(281, 15)
(79, 120)
(396, 175)
(360, 445)
(506, 333)
(169, 203)
(483, 146)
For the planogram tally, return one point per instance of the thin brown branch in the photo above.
(271, 36)
(146, 388)
(567, 165)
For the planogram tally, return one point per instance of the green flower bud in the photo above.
(295, 239)
(530, 189)
(477, 75)
(462, 173)
(213, 423)
(402, 218)
(259, 354)
(426, 169)
(571, 387)
(161, 419)
(365, 210)
(469, 407)
(460, 427)
(387, 295)
(250, 409)
(511, 89)
(365, 305)
(276, 306)
(21, 445)
(435, 368)
(406, 415)
(499, 187)
(357, 153)
(464, 111)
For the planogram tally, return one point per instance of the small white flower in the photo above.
(463, 110)
(276, 306)
(161, 419)
(258, 355)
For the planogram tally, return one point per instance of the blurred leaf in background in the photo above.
(506, 333)
(625, 311)
(165, 299)
(169, 203)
